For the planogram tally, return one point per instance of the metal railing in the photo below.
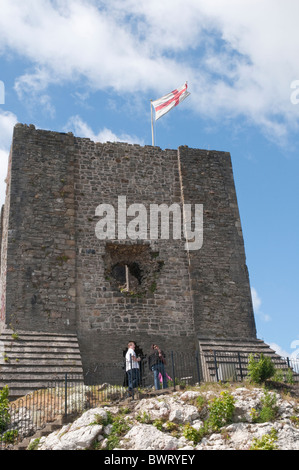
(104, 383)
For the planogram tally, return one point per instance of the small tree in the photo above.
(221, 410)
(260, 370)
(4, 408)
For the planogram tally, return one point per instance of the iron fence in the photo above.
(102, 383)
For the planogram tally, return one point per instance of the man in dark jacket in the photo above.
(156, 362)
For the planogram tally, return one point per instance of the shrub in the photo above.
(191, 434)
(200, 402)
(266, 442)
(278, 375)
(158, 423)
(268, 411)
(295, 420)
(144, 418)
(4, 408)
(119, 427)
(260, 370)
(9, 437)
(289, 377)
(103, 421)
(34, 444)
(282, 375)
(170, 426)
(221, 410)
(269, 407)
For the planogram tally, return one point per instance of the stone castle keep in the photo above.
(58, 278)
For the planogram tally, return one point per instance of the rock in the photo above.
(239, 436)
(78, 439)
(147, 437)
(77, 436)
(108, 429)
(288, 438)
(154, 408)
(189, 395)
(171, 407)
(183, 414)
(176, 409)
(197, 424)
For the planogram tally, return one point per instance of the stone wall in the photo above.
(218, 271)
(40, 229)
(4, 245)
(61, 277)
(160, 308)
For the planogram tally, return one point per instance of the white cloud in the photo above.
(3, 174)
(279, 350)
(239, 58)
(257, 302)
(88, 43)
(31, 88)
(295, 346)
(7, 122)
(293, 355)
(81, 129)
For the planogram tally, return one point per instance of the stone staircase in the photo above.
(45, 431)
(33, 360)
(223, 359)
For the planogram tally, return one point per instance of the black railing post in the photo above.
(240, 364)
(173, 372)
(132, 375)
(288, 362)
(197, 366)
(65, 394)
(216, 368)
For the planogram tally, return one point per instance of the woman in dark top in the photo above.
(157, 363)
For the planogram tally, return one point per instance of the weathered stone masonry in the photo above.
(56, 276)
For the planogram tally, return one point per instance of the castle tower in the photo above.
(57, 275)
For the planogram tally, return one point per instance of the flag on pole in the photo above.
(169, 101)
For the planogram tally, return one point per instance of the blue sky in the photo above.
(92, 66)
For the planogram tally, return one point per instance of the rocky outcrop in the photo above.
(179, 422)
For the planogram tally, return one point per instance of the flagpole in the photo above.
(153, 140)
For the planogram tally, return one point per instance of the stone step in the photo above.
(21, 335)
(40, 362)
(7, 333)
(230, 352)
(45, 431)
(234, 345)
(18, 349)
(42, 342)
(33, 360)
(45, 374)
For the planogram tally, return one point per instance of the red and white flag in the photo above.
(169, 101)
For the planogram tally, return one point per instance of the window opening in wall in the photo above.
(133, 269)
(128, 276)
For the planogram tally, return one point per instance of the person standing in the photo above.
(132, 367)
(157, 363)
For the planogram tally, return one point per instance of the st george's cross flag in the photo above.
(169, 101)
